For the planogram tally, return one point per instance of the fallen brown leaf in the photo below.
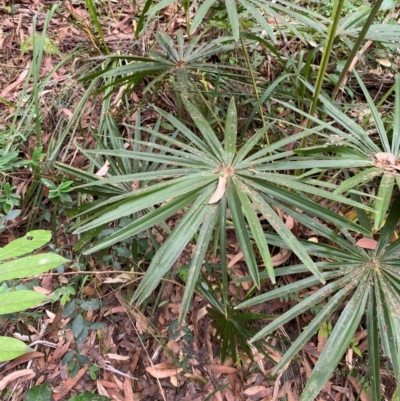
(257, 392)
(68, 385)
(367, 243)
(23, 358)
(223, 369)
(358, 389)
(219, 192)
(104, 169)
(161, 372)
(101, 390)
(25, 374)
(281, 257)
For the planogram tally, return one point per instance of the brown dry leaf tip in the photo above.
(219, 192)
(367, 243)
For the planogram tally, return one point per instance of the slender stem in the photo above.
(356, 46)
(337, 9)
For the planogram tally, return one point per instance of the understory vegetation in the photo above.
(200, 199)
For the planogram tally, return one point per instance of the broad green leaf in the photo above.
(92, 304)
(383, 201)
(16, 301)
(258, 233)
(30, 266)
(30, 242)
(338, 341)
(196, 263)
(43, 392)
(388, 33)
(230, 133)
(241, 230)
(11, 348)
(77, 325)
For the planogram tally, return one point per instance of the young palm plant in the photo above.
(186, 62)
(353, 147)
(206, 178)
(365, 275)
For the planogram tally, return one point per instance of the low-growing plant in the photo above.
(14, 265)
(207, 178)
(365, 275)
(182, 65)
(351, 147)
